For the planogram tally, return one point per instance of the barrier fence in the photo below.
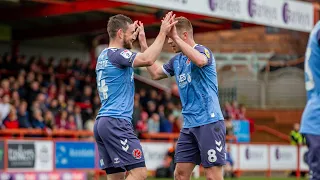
(61, 159)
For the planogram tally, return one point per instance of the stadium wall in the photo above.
(256, 39)
(47, 159)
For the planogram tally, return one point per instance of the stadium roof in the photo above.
(32, 19)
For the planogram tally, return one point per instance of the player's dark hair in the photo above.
(184, 24)
(117, 22)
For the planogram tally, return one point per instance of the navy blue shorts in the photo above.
(203, 145)
(119, 148)
(313, 157)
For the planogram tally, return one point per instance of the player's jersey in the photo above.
(115, 83)
(198, 88)
(311, 115)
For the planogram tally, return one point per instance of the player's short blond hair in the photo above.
(184, 24)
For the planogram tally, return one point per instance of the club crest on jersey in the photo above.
(207, 53)
(137, 154)
(126, 54)
(188, 61)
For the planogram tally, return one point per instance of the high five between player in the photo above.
(310, 125)
(119, 148)
(202, 139)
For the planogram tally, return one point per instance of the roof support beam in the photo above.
(58, 9)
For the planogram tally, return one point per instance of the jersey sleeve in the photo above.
(122, 58)
(168, 67)
(318, 37)
(205, 51)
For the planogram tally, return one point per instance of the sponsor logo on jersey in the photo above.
(126, 54)
(207, 53)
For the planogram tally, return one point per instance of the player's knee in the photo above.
(180, 174)
(139, 173)
(214, 173)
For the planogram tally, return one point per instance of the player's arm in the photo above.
(150, 55)
(194, 55)
(154, 70)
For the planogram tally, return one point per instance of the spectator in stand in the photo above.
(15, 99)
(49, 120)
(86, 97)
(62, 120)
(71, 124)
(54, 107)
(136, 110)
(4, 107)
(227, 109)
(296, 137)
(41, 99)
(22, 86)
(142, 125)
(235, 109)
(154, 123)
(166, 125)
(5, 85)
(78, 118)
(151, 108)
(143, 97)
(33, 92)
(229, 126)
(37, 120)
(11, 122)
(154, 96)
(23, 116)
(96, 103)
(52, 92)
(177, 125)
(72, 88)
(242, 112)
(62, 101)
(89, 125)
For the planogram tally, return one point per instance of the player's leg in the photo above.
(183, 171)
(137, 173)
(117, 140)
(211, 139)
(137, 170)
(214, 173)
(104, 158)
(115, 173)
(126, 151)
(313, 143)
(187, 155)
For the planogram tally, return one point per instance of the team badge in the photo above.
(137, 154)
(188, 61)
(207, 53)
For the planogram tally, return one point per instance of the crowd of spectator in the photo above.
(38, 93)
(233, 111)
(50, 94)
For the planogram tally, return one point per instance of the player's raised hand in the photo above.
(142, 34)
(173, 32)
(167, 23)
